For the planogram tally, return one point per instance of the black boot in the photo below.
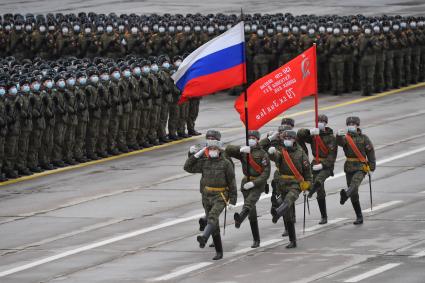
(278, 212)
(322, 207)
(358, 210)
(345, 195)
(292, 236)
(218, 247)
(202, 223)
(285, 233)
(240, 217)
(207, 233)
(255, 234)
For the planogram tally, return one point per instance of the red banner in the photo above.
(278, 91)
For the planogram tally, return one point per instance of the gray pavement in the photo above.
(134, 219)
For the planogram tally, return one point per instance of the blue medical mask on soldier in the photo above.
(28, 28)
(82, 80)
(71, 81)
(367, 31)
(61, 83)
(77, 28)
(121, 28)
(161, 29)
(116, 75)
(213, 153)
(252, 142)
(145, 29)
(311, 31)
(177, 63)
(146, 69)
(166, 65)
(134, 30)
(137, 71)
(352, 128)
(2, 91)
(48, 84)
(109, 29)
(100, 29)
(94, 79)
(322, 126)
(104, 77)
(36, 86)
(386, 29)
(13, 90)
(87, 30)
(288, 143)
(154, 68)
(26, 88)
(260, 32)
(18, 27)
(65, 30)
(127, 73)
(285, 30)
(42, 28)
(336, 31)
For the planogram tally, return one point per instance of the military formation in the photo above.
(297, 171)
(69, 111)
(355, 53)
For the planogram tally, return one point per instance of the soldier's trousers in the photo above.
(144, 125)
(2, 141)
(251, 198)
(114, 123)
(336, 68)
(34, 148)
(153, 123)
(398, 77)
(193, 113)
(183, 116)
(320, 177)
(173, 119)
(58, 140)
(102, 140)
(91, 136)
(214, 205)
(388, 70)
(134, 127)
(348, 73)
(422, 65)
(323, 74)
(367, 74)
(163, 117)
(80, 140)
(407, 52)
(416, 61)
(289, 196)
(69, 142)
(23, 146)
(354, 179)
(10, 152)
(123, 130)
(45, 152)
(379, 73)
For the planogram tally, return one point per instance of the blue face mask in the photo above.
(13, 90)
(71, 82)
(146, 70)
(154, 68)
(288, 143)
(36, 86)
(61, 84)
(82, 80)
(166, 65)
(26, 88)
(127, 74)
(137, 71)
(94, 79)
(49, 84)
(105, 77)
(2, 91)
(116, 75)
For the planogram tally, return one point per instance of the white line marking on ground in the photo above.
(159, 226)
(182, 271)
(382, 206)
(418, 255)
(330, 222)
(262, 245)
(423, 192)
(373, 272)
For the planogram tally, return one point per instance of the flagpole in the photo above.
(244, 83)
(316, 108)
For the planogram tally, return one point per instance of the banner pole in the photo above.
(316, 107)
(244, 84)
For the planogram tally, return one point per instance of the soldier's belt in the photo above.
(211, 189)
(251, 178)
(287, 177)
(353, 159)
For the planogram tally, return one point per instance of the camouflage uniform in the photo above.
(166, 87)
(123, 86)
(46, 149)
(94, 120)
(174, 113)
(381, 52)
(3, 133)
(116, 113)
(81, 129)
(61, 119)
(70, 126)
(336, 48)
(146, 103)
(134, 120)
(105, 116)
(368, 46)
(12, 106)
(26, 128)
(399, 42)
(154, 111)
(193, 112)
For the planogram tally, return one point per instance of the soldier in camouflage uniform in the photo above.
(156, 104)
(83, 118)
(261, 46)
(336, 48)
(105, 113)
(110, 45)
(45, 152)
(19, 42)
(368, 46)
(219, 182)
(399, 42)
(289, 185)
(66, 42)
(256, 169)
(389, 58)
(144, 87)
(26, 128)
(89, 43)
(72, 121)
(116, 111)
(61, 119)
(349, 57)
(3, 127)
(123, 87)
(94, 114)
(323, 139)
(166, 84)
(355, 169)
(137, 104)
(38, 126)
(382, 46)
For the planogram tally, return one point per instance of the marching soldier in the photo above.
(323, 139)
(360, 161)
(218, 177)
(256, 169)
(294, 176)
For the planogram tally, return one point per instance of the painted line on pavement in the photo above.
(157, 227)
(373, 272)
(330, 222)
(418, 255)
(136, 152)
(182, 271)
(422, 192)
(382, 206)
(262, 245)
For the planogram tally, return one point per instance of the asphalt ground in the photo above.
(135, 218)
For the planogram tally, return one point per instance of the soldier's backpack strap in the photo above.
(259, 169)
(322, 146)
(291, 165)
(355, 149)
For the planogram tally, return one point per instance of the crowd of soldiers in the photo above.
(371, 54)
(295, 173)
(69, 111)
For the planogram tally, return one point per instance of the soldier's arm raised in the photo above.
(233, 151)
(193, 165)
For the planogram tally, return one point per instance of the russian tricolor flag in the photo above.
(217, 65)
